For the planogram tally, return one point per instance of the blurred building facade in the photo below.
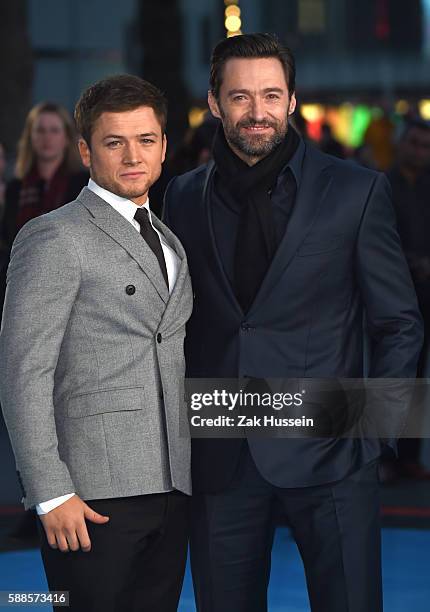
(371, 52)
(364, 48)
(76, 42)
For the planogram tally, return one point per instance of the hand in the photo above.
(65, 525)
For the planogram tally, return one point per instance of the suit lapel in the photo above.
(182, 274)
(210, 243)
(314, 186)
(107, 219)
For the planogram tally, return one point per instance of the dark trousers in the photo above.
(137, 560)
(336, 527)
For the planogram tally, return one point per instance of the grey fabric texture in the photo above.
(92, 359)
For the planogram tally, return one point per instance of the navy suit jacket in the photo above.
(340, 259)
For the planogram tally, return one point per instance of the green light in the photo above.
(361, 118)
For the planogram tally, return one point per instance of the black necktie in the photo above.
(152, 240)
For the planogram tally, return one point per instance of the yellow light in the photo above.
(233, 23)
(401, 107)
(232, 11)
(230, 34)
(196, 116)
(424, 108)
(312, 112)
(311, 16)
(344, 120)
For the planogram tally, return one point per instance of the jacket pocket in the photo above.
(102, 401)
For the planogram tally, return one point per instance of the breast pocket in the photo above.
(317, 245)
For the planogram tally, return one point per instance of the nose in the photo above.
(257, 109)
(131, 154)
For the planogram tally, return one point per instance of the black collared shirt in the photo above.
(225, 215)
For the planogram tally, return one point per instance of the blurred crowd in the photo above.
(47, 173)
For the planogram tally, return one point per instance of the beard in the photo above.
(254, 145)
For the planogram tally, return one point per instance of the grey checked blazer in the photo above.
(91, 357)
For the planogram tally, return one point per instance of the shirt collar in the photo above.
(125, 207)
(296, 162)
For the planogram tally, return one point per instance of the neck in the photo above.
(47, 168)
(141, 200)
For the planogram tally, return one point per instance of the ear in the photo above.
(292, 105)
(213, 105)
(84, 152)
(164, 149)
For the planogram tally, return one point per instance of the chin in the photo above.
(134, 191)
(133, 194)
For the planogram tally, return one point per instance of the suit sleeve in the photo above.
(394, 322)
(43, 280)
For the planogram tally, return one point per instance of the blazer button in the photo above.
(130, 290)
(245, 327)
(159, 338)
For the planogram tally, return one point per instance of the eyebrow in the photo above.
(144, 135)
(233, 92)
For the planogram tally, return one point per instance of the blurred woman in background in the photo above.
(48, 170)
(48, 174)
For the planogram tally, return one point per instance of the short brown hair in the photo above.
(116, 94)
(251, 46)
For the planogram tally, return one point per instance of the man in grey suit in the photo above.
(92, 366)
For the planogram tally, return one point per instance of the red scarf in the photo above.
(38, 196)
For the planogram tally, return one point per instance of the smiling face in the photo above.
(126, 153)
(253, 105)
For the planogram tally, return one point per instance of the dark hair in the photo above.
(417, 123)
(116, 94)
(249, 46)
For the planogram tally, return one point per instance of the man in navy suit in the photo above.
(289, 249)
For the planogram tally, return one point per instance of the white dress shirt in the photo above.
(127, 209)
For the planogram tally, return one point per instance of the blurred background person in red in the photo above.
(48, 172)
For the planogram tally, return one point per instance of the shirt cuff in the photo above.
(45, 507)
